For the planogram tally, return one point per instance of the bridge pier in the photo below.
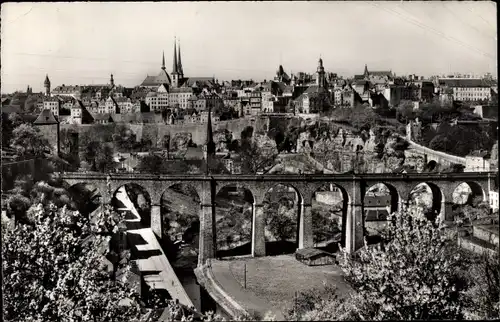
(354, 238)
(446, 211)
(156, 221)
(402, 204)
(258, 231)
(305, 226)
(207, 242)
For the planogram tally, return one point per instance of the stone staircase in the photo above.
(155, 267)
(483, 240)
(149, 258)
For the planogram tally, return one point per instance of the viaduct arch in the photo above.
(353, 186)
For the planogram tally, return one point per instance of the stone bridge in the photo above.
(432, 156)
(352, 186)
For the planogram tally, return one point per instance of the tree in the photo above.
(484, 293)
(440, 143)
(54, 272)
(9, 123)
(124, 138)
(256, 155)
(414, 275)
(279, 208)
(404, 111)
(105, 161)
(234, 146)
(247, 133)
(255, 158)
(324, 228)
(152, 163)
(28, 142)
(282, 226)
(91, 151)
(100, 156)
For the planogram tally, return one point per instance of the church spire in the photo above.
(163, 61)
(174, 67)
(179, 62)
(210, 145)
(210, 137)
(366, 70)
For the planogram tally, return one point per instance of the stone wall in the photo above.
(51, 133)
(155, 132)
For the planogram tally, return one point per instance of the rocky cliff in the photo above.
(341, 150)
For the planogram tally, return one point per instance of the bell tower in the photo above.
(321, 74)
(46, 84)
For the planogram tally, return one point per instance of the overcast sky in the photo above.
(82, 43)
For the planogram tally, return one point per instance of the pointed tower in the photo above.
(179, 63)
(209, 148)
(175, 72)
(46, 84)
(366, 71)
(112, 81)
(163, 61)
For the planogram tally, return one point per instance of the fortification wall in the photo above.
(155, 132)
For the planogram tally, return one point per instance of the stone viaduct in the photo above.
(352, 186)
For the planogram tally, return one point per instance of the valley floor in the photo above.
(272, 281)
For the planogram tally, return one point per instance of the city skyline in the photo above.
(247, 40)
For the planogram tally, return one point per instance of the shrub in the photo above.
(410, 276)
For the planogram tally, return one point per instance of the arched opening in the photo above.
(133, 200)
(329, 212)
(180, 208)
(233, 221)
(281, 209)
(432, 166)
(425, 200)
(379, 202)
(85, 198)
(468, 193)
(468, 202)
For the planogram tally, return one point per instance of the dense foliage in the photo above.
(28, 143)
(484, 292)
(9, 123)
(325, 228)
(416, 273)
(413, 276)
(53, 270)
(281, 208)
(255, 157)
(100, 156)
(458, 139)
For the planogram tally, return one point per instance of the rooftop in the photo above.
(45, 117)
(464, 82)
(480, 153)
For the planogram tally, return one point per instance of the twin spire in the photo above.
(177, 63)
